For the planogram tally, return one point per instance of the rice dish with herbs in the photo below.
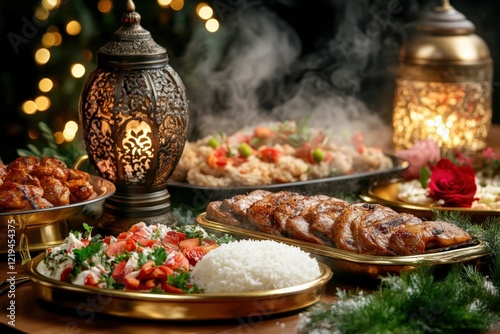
(273, 154)
(251, 265)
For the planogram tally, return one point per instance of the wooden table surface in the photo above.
(35, 316)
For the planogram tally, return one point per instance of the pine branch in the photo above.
(466, 300)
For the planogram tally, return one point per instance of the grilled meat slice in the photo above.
(239, 204)
(418, 238)
(261, 213)
(289, 220)
(216, 214)
(323, 216)
(373, 229)
(342, 228)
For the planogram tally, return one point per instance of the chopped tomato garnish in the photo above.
(263, 132)
(91, 280)
(195, 254)
(167, 270)
(218, 158)
(147, 242)
(189, 243)
(131, 283)
(171, 240)
(170, 288)
(147, 269)
(358, 142)
(177, 260)
(146, 285)
(137, 227)
(141, 234)
(119, 271)
(66, 274)
(124, 235)
(269, 154)
(115, 248)
(107, 240)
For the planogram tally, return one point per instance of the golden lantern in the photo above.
(443, 88)
(134, 114)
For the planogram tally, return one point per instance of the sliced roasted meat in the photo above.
(418, 238)
(361, 227)
(323, 216)
(239, 204)
(289, 220)
(261, 213)
(216, 214)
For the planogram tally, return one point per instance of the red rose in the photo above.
(456, 185)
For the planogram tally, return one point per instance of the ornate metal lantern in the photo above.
(134, 114)
(443, 89)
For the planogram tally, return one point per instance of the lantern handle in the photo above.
(130, 6)
(445, 5)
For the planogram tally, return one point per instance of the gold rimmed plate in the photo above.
(48, 227)
(350, 264)
(200, 306)
(386, 193)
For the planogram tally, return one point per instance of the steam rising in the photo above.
(254, 70)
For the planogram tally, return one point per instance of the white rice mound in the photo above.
(253, 265)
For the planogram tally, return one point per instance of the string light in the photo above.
(45, 85)
(42, 56)
(77, 70)
(212, 25)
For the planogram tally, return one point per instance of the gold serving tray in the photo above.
(183, 307)
(349, 264)
(387, 194)
(48, 227)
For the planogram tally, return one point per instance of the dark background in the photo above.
(321, 34)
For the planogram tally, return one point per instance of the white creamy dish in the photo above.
(162, 259)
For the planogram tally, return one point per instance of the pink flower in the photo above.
(423, 153)
(489, 154)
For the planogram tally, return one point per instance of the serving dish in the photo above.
(347, 264)
(48, 227)
(183, 307)
(386, 193)
(198, 197)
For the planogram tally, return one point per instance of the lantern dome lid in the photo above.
(445, 20)
(445, 36)
(131, 46)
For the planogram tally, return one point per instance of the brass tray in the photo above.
(48, 227)
(177, 306)
(199, 196)
(386, 193)
(350, 264)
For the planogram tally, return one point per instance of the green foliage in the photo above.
(425, 176)
(69, 153)
(466, 300)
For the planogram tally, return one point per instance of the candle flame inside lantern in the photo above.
(454, 115)
(137, 152)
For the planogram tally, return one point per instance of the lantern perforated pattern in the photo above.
(135, 124)
(452, 114)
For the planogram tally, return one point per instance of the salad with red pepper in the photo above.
(147, 258)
